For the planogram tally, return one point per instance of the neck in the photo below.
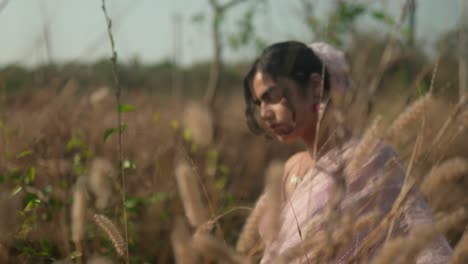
(311, 140)
(319, 138)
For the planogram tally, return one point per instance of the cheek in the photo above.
(284, 113)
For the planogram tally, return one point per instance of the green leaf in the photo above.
(131, 203)
(24, 154)
(75, 255)
(212, 156)
(32, 204)
(16, 190)
(187, 135)
(75, 142)
(383, 17)
(30, 175)
(175, 124)
(158, 197)
(126, 108)
(109, 132)
(2, 179)
(220, 183)
(224, 170)
(193, 148)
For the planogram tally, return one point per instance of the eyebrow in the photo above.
(267, 90)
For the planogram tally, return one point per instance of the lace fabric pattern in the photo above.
(375, 189)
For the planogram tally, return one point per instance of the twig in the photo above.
(119, 120)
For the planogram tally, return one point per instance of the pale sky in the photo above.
(144, 28)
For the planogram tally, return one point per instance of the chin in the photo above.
(286, 138)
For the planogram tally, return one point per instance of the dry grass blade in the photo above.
(363, 150)
(408, 117)
(446, 172)
(120, 123)
(249, 232)
(98, 181)
(366, 220)
(112, 233)
(180, 239)
(458, 108)
(309, 247)
(190, 194)
(208, 226)
(273, 207)
(78, 214)
(406, 249)
(214, 249)
(460, 253)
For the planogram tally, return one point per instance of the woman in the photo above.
(291, 87)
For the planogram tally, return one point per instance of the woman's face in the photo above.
(287, 113)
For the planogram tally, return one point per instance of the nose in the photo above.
(266, 113)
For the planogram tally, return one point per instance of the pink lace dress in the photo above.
(364, 194)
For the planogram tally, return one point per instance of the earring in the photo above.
(316, 107)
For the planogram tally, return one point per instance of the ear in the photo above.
(315, 82)
(315, 79)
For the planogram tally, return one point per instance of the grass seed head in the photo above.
(112, 233)
(189, 191)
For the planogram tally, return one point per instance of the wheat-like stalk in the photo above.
(99, 260)
(180, 239)
(98, 181)
(363, 149)
(212, 248)
(409, 116)
(448, 171)
(464, 118)
(460, 253)
(249, 233)
(120, 122)
(274, 204)
(310, 247)
(78, 214)
(366, 220)
(190, 194)
(112, 233)
(406, 249)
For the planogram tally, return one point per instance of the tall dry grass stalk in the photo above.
(409, 116)
(198, 119)
(406, 249)
(120, 123)
(448, 171)
(363, 150)
(112, 233)
(190, 194)
(98, 181)
(249, 234)
(180, 239)
(215, 249)
(4, 255)
(460, 253)
(78, 214)
(99, 260)
(273, 207)
(309, 247)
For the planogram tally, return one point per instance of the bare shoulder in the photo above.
(298, 163)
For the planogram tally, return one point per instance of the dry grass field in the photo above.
(57, 170)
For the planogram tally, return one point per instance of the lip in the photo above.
(279, 129)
